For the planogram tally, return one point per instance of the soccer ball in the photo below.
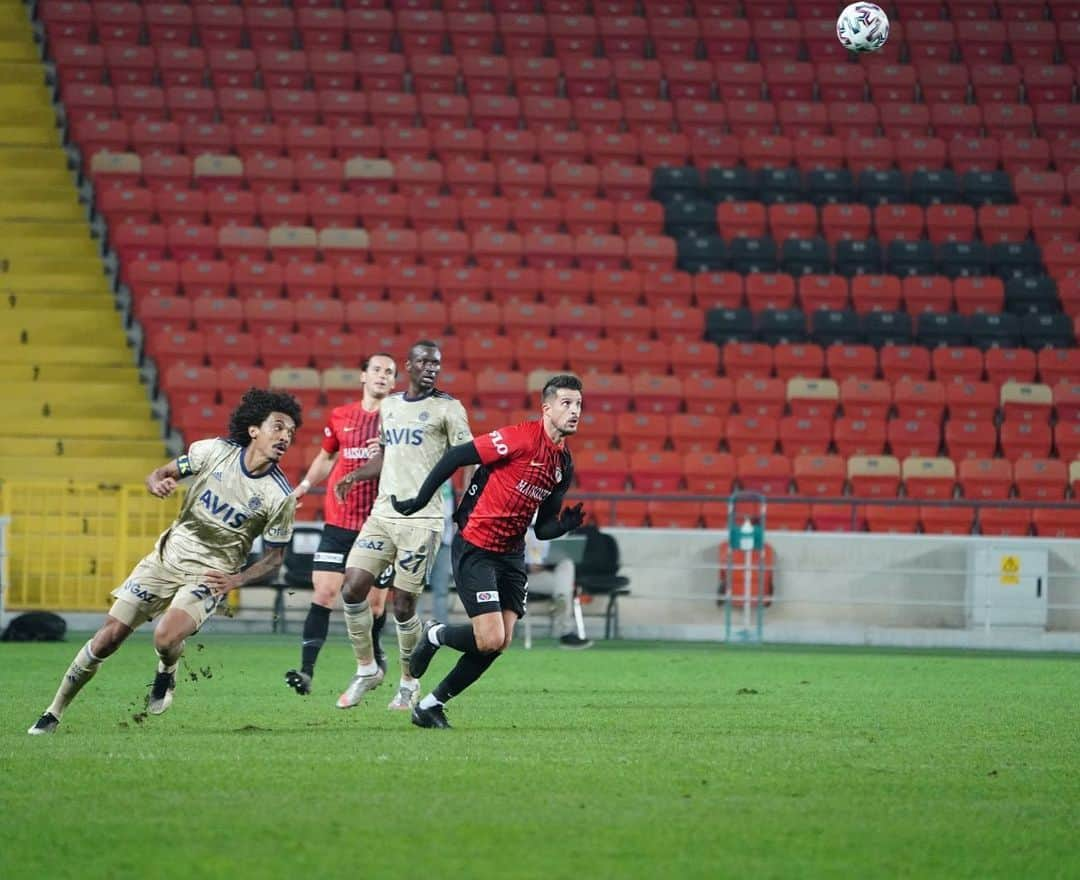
(862, 27)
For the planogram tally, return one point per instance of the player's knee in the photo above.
(489, 642)
(404, 605)
(325, 589)
(506, 642)
(110, 637)
(167, 642)
(356, 585)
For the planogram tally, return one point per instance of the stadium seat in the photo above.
(928, 478)
(655, 471)
(821, 475)
(708, 473)
(1028, 402)
(892, 519)
(767, 474)
(1004, 521)
(873, 476)
(1056, 522)
(946, 520)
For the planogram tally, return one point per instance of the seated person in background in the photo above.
(555, 580)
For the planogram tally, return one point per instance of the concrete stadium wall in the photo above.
(840, 589)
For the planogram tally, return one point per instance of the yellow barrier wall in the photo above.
(71, 543)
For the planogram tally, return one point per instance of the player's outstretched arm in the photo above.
(222, 582)
(162, 481)
(320, 469)
(454, 458)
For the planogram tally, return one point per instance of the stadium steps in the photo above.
(74, 406)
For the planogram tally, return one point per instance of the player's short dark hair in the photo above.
(255, 407)
(423, 343)
(378, 354)
(563, 380)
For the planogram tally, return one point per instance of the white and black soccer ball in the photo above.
(862, 27)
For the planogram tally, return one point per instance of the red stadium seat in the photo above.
(752, 434)
(929, 478)
(601, 470)
(655, 471)
(707, 473)
(1056, 522)
(1004, 521)
(951, 520)
(767, 474)
(709, 395)
(971, 401)
(873, 476)
(904, 362)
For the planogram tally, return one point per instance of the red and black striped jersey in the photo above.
(347, 433)
(520, 468)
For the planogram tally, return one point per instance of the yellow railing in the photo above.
(69, 544)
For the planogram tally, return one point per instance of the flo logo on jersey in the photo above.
(487, 596)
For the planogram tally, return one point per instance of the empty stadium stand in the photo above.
(778, 267)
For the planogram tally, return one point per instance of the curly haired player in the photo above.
(238, 493)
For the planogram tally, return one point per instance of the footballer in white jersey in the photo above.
(238, 494)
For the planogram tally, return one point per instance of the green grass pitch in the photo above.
(629, 760)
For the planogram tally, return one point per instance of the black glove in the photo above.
(571, 517)
(407, 507)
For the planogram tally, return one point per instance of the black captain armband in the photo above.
(183, 465)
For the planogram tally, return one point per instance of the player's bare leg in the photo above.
(481, 644)
(327, 588)
(175, 626)
(83, 667)
(358, 619)
(408, 633)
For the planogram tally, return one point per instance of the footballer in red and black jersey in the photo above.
(520, 467)
(349, 432)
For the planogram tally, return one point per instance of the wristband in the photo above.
(305, 484)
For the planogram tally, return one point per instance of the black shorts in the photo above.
(488, 581)
(334, 547)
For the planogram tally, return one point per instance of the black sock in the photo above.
(376, 629)
(467, 670)
(316, 627)
(460, 637)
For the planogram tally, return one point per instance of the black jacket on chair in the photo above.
(598, 574)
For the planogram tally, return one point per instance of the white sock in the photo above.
(367, 668)
(429, 702)
(412, 684)
(433, 637)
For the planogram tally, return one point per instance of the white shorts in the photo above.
(153, 587)
(410, 549)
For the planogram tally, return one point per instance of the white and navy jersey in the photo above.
(225, 510)
(415, 434)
